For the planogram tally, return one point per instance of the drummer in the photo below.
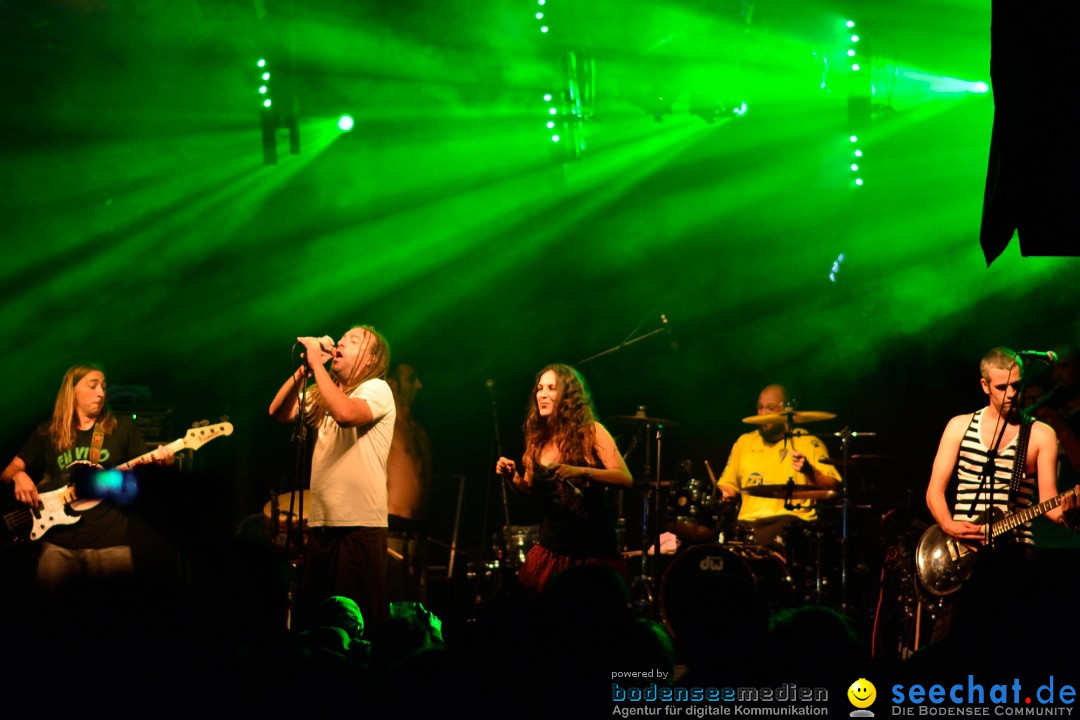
(765, 457)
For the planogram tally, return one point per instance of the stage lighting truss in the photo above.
(276, 112)
(859, 102)
(568, 109)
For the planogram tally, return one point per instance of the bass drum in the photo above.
(706, 580)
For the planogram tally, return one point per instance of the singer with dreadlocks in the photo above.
(352, 409)
(570, 460)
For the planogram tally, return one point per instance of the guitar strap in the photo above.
(96, 442)
(1019, 463)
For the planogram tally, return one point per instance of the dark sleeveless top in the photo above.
(582, 527)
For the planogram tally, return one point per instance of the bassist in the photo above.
(82, 430)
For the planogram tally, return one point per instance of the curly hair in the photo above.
(62, 427)
(380, 352)
(569, 426)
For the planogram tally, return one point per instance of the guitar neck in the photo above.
(1027, 514)
(175, 446)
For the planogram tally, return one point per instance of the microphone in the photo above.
(667, 329)
(326, 344)
(1049, 357)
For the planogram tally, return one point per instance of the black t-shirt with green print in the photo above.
(101, 526)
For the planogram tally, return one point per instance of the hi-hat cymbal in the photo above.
(794, 492)
(857, 460)
(640, 419)
(798, 417)
(652, 483)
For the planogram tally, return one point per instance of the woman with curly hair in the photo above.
(570, 460)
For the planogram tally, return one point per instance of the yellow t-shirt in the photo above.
(755, 462)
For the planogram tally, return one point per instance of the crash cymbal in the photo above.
(794, 492)
(797, 417)
(640, 419)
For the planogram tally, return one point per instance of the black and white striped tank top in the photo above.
(969, 470)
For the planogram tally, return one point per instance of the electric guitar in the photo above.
(55, 507)
(944, 563)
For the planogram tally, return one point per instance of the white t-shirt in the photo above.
(348, 468)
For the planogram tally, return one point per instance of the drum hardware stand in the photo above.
(845, 436)
(645, 582)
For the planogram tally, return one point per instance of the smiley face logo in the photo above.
(862, 693)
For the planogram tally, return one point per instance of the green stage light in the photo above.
(547, 97)
(543, 28)
(552, 111)
(266, 76)
(858, 153)
(854, 38)
(856, 67)
(850, 24)
(345, 123)
(851, 53)
(980, 87)
(261, 63)
(854, 167)
(539, 16)
(551, 124)
(854, 138)
(858, 182)
(262, 89)
(267, 103)
(555, 138)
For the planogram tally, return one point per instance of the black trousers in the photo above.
(349, 561)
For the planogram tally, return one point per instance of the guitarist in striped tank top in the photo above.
(984, 469)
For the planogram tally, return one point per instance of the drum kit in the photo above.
(788, 561)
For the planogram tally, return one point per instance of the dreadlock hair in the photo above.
(569, 426)
(63, 427)
(379, 349)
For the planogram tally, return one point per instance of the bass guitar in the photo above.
(944, 563)
(60, 506)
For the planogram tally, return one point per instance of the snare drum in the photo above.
(288, 506)
(701, 577)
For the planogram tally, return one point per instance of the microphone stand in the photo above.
(498, 449)
(294, 546)
(644, 579)
(621, 345)
(496, 452)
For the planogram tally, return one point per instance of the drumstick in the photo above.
(712, 477)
